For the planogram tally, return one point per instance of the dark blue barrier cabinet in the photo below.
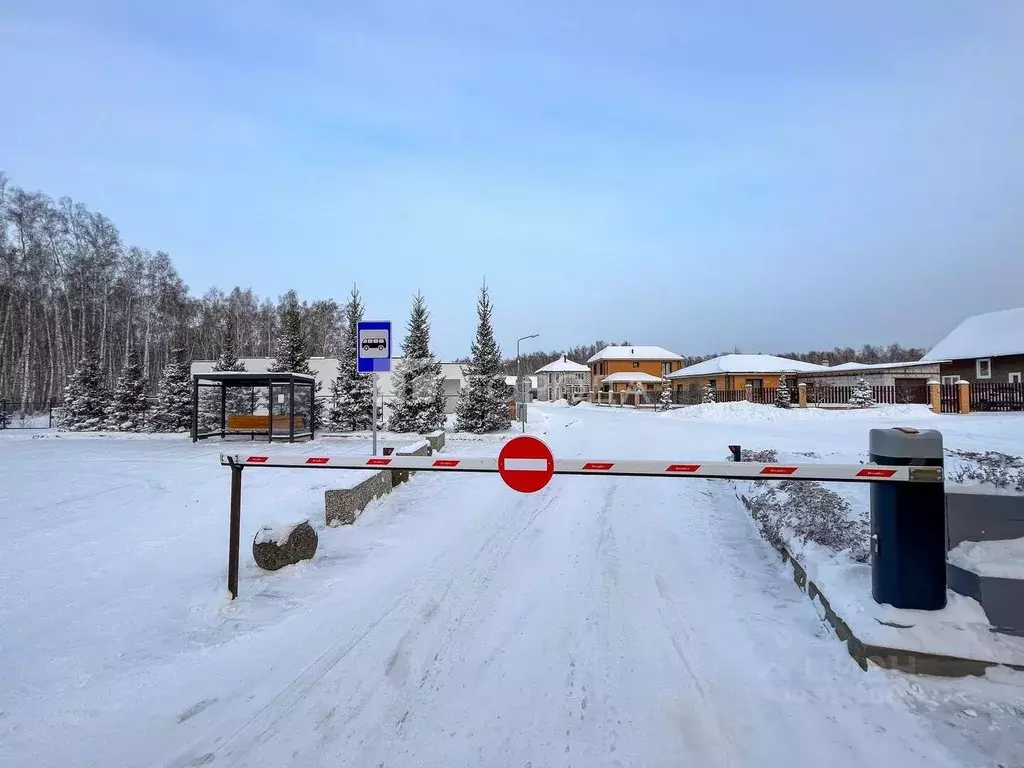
(908, 523)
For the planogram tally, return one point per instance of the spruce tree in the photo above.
(709, 394)
(173, 409)
(782, 396)
(419, 382)
(236, 400)
(666, 395)
(352, 397)
(127, 410)
(291, 355)
(483, 401)
(863, 395)
(84, 397)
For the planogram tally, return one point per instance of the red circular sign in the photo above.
(526, 464)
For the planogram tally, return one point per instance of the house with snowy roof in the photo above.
(983, 348)
(632, 368)
(736, 372)
(562, 379)
(901, 375)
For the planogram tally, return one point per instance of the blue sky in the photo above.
(703, 176)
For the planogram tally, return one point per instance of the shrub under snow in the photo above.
(806, 511)
(989, 468)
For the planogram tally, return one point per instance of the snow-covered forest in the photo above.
(69, 284)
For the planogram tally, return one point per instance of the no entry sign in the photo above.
(526, 464)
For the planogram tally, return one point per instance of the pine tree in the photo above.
(666, 395)
(782, 396)
(419, 382)
(483, 401)
(708, 396)
(127, 411)
(173, 410)
(352, 396)
(84, 397)
(863, 395)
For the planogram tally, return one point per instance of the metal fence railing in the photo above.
(997, 396)
(890, 394)
(36, 415)
(949, 398)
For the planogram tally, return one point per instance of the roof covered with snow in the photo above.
(563, 365)
(745, 364)
(631, 377)
(988, 335)
(634, 352)
(511, 381)
(848, 367)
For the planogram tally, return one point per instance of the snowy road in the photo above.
(600, 622)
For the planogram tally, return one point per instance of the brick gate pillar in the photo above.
(935, 396)
(963, 391)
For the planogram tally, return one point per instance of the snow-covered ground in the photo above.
(601, 621)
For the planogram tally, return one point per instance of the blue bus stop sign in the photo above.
(373, 346)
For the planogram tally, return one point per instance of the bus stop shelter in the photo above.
(278, 406)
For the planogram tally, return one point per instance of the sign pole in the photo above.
(373, 356)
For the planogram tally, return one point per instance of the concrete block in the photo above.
(436, 440)
(342, 507)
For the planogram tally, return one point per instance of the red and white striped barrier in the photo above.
(842, 473)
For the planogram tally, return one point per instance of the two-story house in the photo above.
(562, 379)
(619, 369)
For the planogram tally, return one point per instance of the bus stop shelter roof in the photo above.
(253, 379)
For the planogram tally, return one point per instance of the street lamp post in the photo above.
(519, 378)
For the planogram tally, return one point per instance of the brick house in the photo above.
(735, 372)
(983, 348)
(655, 362)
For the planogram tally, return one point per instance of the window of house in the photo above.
(755, 383)
(950, 379)
(1015, 377)
(983, 368)
(636, 363)
(666, 369)
(713, 383)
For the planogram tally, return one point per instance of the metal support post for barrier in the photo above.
(235, 528)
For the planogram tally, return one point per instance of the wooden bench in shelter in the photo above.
(255, 423)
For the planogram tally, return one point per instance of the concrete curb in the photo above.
(913, 662)
(343, 506)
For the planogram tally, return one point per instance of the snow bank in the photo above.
(998, 559)
(744, 411)
(960, 629)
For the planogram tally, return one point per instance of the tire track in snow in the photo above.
(455, 593)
